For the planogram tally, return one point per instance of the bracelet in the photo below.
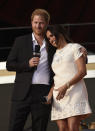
(68, 85)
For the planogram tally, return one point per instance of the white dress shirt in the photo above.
(41, 75)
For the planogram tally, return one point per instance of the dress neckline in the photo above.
(60, 50)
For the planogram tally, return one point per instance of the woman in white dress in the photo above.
(70, 99)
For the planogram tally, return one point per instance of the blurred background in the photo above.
(78, 16)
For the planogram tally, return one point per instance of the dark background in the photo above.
(16, 13)
(78, 16)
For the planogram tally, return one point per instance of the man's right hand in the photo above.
(34, 61)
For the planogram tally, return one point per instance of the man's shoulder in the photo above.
(23, 40)
(24, 36)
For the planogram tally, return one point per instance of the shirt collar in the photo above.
(35, 41)
(33, 38)
(44, 44)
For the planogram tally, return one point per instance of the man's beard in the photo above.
(40, 32)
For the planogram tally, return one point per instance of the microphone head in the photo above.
(36, 53)
(37, 48)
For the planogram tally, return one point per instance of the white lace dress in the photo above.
(75, 101)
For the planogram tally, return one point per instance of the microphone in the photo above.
(36, 53)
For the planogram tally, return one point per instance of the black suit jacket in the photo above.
(18, 60)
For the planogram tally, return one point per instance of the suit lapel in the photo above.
(30, 45)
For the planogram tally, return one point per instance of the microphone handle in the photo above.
(36, 54)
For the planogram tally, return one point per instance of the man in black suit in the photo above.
(33, 76)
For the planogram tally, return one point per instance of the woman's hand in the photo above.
(61, 92)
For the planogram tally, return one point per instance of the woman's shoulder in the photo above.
(75, 46)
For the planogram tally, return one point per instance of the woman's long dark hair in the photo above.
(58, 30)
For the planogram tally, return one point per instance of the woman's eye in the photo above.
(51, 35)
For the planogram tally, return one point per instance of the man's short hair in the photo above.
(41, 12)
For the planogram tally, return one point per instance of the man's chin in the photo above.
(39, 33)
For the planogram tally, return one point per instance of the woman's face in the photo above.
(51, 38)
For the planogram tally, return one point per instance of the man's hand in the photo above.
(84, 51)
(34, 61)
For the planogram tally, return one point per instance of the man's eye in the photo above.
(35, 22)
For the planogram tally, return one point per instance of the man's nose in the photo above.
(38, 25)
